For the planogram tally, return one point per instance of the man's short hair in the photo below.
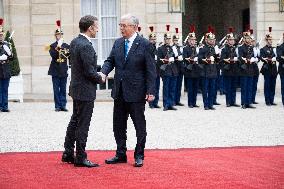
(86, 21)
(133, 19)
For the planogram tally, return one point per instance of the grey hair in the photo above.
(133, 19)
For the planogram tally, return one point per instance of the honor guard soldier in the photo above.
(230, 67)
(269, 69)
(206, 59)
(58, 69)
(219, 80)
(280, 59)
(153, 41)
(191, 68)
(256, 53)
(168, 70)
(246, 58)
(5, 73)
(177, 49)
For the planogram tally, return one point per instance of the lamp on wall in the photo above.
(176, 6)
(281, 5)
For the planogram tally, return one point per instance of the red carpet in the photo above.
(240, 167)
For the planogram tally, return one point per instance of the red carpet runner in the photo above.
(240, 167)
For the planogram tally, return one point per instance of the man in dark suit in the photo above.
(59, 52)
(84, 79)
(134, 83)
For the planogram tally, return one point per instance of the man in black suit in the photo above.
(134, 83)
(84, 78)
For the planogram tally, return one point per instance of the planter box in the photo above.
(16, 89)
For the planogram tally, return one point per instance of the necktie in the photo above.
(126, 43)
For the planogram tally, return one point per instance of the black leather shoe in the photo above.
(206, 108)
(64, 109)
(268, 104)
(116, 160)
(57, 109)
(190, 106)
(152, 107)
(165, 109)
(172, 108)
(5, 110)
(216, 103)
(68, 158)
(157, 106)
(85, 163)
(228, 105)
(255, 102)
(212, 108)
(235, 105)
(250, 106)
(244, 107)
(138, 162)
(273, 104)
(195, 106)
(179, 104)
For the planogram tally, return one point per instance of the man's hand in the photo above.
(103, 76)
(149, 97)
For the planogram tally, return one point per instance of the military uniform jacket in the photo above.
(268, 67)
(208, 70)
(280, 59)
(191, 69)
(5, 72)
(255, 64)
(178, 51)
(166, 52)
(246, 52)
(155, 51)
(57, 69)
(232, 68)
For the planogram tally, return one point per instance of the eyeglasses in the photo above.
(124, 25)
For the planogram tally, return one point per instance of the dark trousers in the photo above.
(78, 128)
(246, 90)
(282, 88)
(218, 86)
(269, 88)
(59, 91)
(4, 85)
(192, 87)
(208, 90)
(254, 87)
(178, 88)
(169, 88)
(121, 111)
(157, 88)
(230, 88)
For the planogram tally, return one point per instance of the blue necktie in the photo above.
(126, 42)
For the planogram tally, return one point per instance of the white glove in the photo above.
(252, 59)
(156, 58)
(180, 58)
(4, 57)
(217, 50)
(235, 58)
(195, 59)
(273, 59)
(212, 58)
(171, 59)
(60, 42)
(7, 49)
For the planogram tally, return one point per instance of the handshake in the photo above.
(104, 77)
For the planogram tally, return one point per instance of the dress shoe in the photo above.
(57, 109)
(190, 106)
(138, 162)
(235, 105)
(5, 110)
(165, 109)
(268, 104)
(206, 108)
(244, 107)
(64, 109)
(212, 108)
(228, 105)
(179, 104)
(255, 102)
(216, 103)
(195, 106)
(116, 160)
(250, 106)
(172, 108)
(68, 158)
(152, 107)
(157, 106)
(273, 104)
(85, 163)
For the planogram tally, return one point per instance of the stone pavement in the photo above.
(35, 126)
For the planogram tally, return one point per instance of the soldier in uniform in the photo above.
(177, 49)
(269, 69)
(230, 64)
(168, 70)
(59, 52)
(256, 54)
(5, 73)
(191, 68)
(207, 60)
(280, 59)
(246, 58)
(152, 39)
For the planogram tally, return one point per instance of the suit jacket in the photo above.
(84, 76)
(280, 59)
(134, 76)
(57, 69)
